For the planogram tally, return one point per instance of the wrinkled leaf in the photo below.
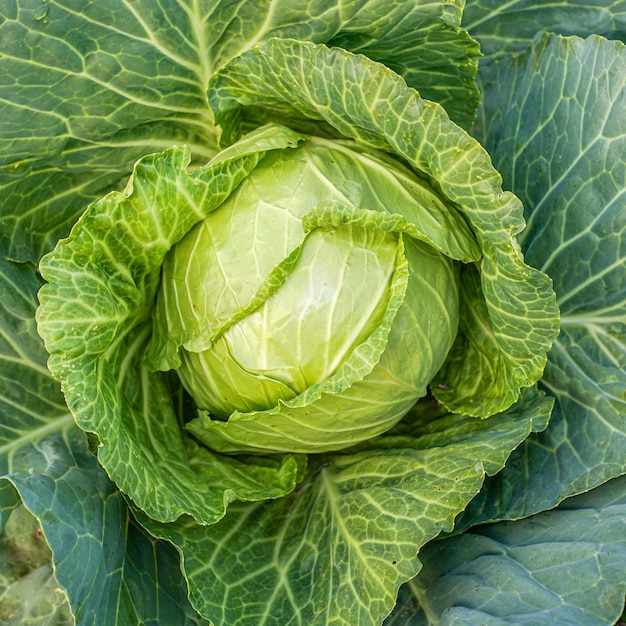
(566, 566)
(87, 89)
(337, 549)
(569, 168)
(95, 317)
(521, 317)
(107, 565)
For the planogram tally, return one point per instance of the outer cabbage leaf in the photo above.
(89, 88)
(112, 570)
(108, 566)
(95, 317)
(31, 403)
(336, 550)
(368, 102)
(506, 30)
(568, 165)
(565, 566)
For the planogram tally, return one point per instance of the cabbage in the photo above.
(300, 321)
(287, 295)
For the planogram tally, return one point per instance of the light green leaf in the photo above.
(522, 316)
(45, 459)
(336, 550)
(444, 230)
(566, 566)
(568, 165)
(89, 89)
(95, 318)
(368, 393)
(232, 240)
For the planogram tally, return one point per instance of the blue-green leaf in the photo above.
(503, 28)
(506, 30)
(566, 566)
(125, 575)
(559, 140)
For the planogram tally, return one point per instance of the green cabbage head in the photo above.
(308, 312)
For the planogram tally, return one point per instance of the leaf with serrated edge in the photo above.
(566, 566)
(337, 549)
(569, 169)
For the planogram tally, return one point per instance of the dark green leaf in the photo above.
(506, 27)
(566, 566)
(125, 576)
(9, 499)
(109, 567)
(559, 140)
(31, 403)
(87, 89)
(506, 30)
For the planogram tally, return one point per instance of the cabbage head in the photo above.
(312, 308)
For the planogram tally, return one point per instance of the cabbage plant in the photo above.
(299, 297)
